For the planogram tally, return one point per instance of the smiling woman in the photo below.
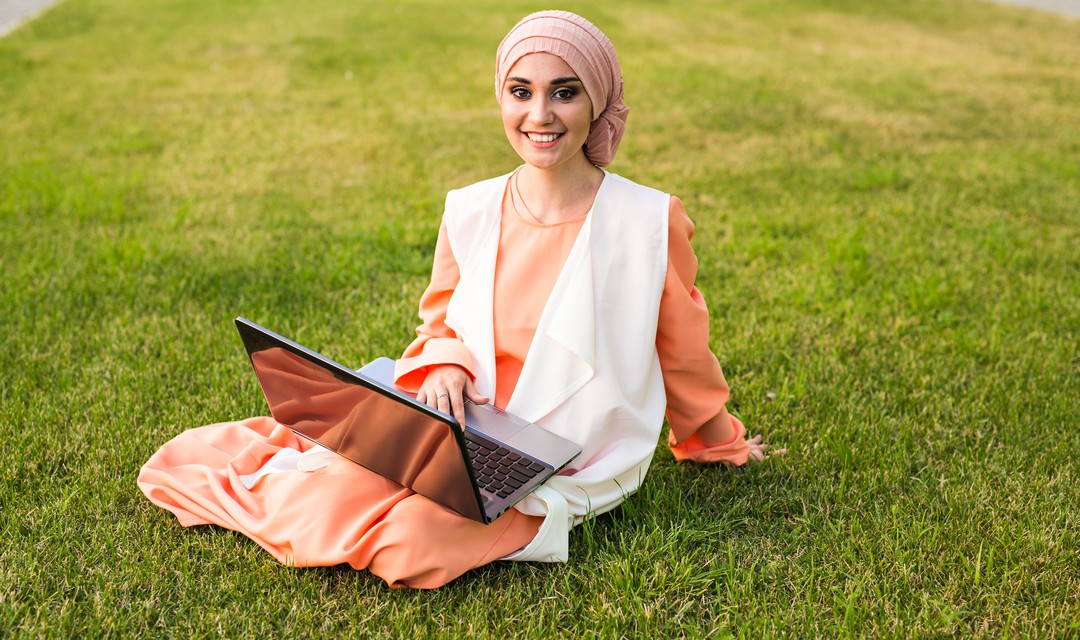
(560, 292)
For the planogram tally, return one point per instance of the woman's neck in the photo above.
(559, 194)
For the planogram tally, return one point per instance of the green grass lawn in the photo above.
(887, 199)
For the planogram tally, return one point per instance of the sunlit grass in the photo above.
(886, 200)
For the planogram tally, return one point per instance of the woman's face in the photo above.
(545, 110)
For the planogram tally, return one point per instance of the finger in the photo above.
(454, 389)
(421, 395)
(432, 399)
(429, 398)
(474, 395)
(457, 402)
(458, 408)
(442, 401)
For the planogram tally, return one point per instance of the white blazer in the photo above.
(592, 373)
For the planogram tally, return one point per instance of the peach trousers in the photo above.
(340, 513)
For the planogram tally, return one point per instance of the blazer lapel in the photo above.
(561, 357)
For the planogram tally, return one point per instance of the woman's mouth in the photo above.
(543, 137)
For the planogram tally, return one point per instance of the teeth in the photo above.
(542, 137)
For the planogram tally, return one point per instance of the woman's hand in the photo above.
(446, 387)
(759, 450)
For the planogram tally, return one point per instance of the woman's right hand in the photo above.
(446, 387)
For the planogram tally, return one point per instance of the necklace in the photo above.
(520, 197)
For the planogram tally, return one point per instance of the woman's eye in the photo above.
(563, 94)
(521, 93)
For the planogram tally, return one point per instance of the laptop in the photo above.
(479, 470)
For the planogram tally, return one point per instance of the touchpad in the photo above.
(492, 422)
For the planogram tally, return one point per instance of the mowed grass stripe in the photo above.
(885, 197)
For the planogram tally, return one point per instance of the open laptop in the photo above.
(479, 471)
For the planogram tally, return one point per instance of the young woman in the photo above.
(561, 293)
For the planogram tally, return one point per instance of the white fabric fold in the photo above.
(552, 541)
(290, 460)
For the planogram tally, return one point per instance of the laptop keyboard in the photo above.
(499, 470)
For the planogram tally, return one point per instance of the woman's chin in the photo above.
(549, 161)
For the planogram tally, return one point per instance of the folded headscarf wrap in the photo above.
(592, 57)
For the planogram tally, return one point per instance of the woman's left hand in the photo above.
(760, 450)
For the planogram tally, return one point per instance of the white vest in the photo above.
(592, 373)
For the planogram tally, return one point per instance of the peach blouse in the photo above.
(530, 258)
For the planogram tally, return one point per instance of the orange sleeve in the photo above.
(702, 430)
(435, 343)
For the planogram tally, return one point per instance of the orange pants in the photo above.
(341, 513)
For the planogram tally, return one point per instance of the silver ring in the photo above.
(443, 395)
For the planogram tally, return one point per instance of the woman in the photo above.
(562, 293)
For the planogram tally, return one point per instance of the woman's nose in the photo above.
(540, 111)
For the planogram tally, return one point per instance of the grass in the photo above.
(886, 199)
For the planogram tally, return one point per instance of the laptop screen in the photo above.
(364, 423)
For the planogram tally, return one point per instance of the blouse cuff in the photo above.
(735, 452)
(409, 373)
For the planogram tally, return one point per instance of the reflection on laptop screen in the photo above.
(367, 426)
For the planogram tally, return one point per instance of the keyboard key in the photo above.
(481, 443)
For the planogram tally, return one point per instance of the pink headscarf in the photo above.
(592, 57)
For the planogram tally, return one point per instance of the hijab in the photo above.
(592, 57)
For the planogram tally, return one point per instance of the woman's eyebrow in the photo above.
(566, 80)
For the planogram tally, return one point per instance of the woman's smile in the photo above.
(542, 138)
